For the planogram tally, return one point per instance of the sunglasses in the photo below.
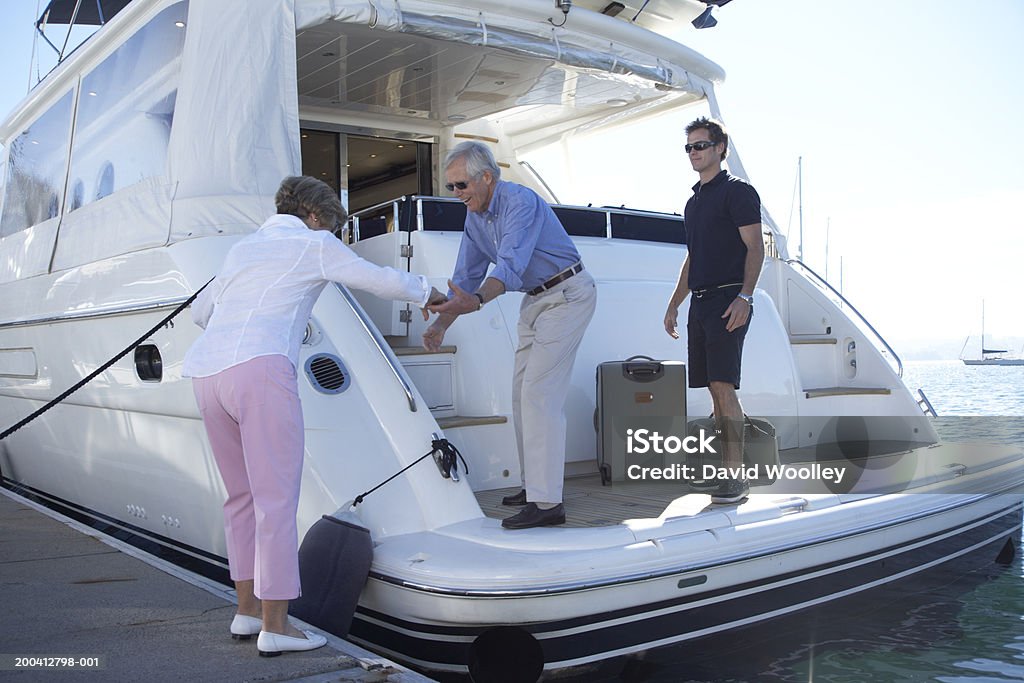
(699, 146)
(462, 185)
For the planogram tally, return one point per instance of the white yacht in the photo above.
(131, 169)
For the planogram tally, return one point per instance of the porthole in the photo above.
(149, 366)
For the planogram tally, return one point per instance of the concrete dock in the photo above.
(67, 591)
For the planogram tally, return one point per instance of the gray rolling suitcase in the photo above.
(636, 394)
(760, 447)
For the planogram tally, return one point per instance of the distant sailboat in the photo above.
(989, 356)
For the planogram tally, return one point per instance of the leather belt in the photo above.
(560, 277)
(700, 293)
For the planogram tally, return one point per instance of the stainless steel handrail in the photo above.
(823, 281)
(382, 345)
(102, 312)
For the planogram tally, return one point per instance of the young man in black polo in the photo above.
(724, 256)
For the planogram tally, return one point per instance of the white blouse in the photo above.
(261, 300)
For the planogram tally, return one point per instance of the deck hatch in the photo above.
(327, 373)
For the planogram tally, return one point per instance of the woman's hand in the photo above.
(435, 298)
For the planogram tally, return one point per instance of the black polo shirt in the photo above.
(712, 220)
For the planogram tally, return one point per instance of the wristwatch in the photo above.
(746, 297)
(480, 297)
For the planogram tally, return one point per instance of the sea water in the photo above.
(952, 628)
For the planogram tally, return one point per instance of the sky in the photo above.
(906, 115)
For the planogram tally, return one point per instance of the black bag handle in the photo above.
(645, 370)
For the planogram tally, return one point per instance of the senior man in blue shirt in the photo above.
(510, 226)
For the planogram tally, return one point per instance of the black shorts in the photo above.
(714, 353)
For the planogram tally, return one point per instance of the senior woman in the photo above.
(244, 376)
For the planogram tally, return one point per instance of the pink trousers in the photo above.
(253, 419)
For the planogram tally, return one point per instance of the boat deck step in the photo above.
(457, 421)
(420, 351)
(813, 340)
(847, 391)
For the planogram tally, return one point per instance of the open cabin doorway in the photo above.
(367, 170)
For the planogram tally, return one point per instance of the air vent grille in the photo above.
(327, 374)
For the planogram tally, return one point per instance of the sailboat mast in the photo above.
(983, 328)
(800, 204)
(828, 229)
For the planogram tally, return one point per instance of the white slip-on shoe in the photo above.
(244, 627)
(272, 644)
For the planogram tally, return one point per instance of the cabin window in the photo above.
(77, 195)
(126, 106)
(321, 157)
(443, 215)
(582, 222)
(105, 183)
(35, 170)
(381, 169)
(667, 228)
(3, 178)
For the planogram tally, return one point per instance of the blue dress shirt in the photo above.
(520, 234)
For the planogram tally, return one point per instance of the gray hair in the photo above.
(478, 159)
(301, 195)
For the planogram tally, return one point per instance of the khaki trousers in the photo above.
(551, 326)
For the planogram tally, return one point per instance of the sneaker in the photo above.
(703, 485)
(731, 491)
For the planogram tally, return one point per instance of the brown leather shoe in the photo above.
(516, 499)
(531, 516)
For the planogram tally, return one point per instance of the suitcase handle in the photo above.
(643, 371)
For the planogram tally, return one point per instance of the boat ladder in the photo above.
(926, 406)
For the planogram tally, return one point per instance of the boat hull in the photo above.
(996, 361)
(591, 623)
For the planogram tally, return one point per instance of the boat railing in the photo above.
(891, 356)
(418, 213)
(381, 344)
(79, 21)
(771, 247)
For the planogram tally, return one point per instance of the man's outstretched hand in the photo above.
(460, 302)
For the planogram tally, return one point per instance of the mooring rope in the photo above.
(103, 367)
(448, 457)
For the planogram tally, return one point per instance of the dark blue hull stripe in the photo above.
(435, 643)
